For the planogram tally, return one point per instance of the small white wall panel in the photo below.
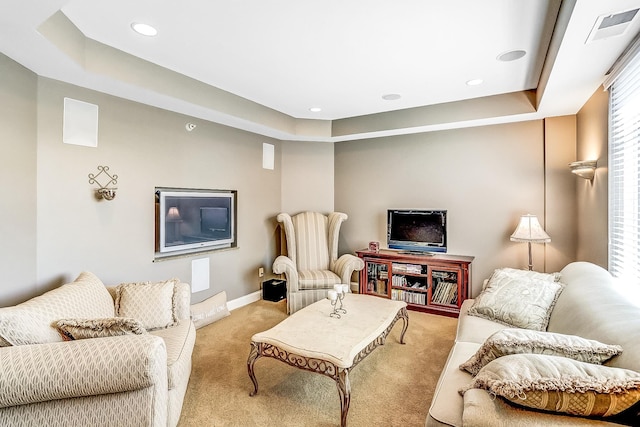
(80, 123)
(199, 275)
(267, 156)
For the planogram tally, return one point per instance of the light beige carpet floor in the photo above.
(393, 386)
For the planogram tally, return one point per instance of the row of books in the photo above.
(445, 293)
(408, 296)
(407, 268)
(402, 281)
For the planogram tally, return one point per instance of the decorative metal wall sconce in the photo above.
(585, 168)
(104, 191)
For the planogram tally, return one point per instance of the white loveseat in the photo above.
(125, 380)
(589, 306)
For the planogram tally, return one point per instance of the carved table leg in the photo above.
(253, 356)
(405, 320)
(344, 389)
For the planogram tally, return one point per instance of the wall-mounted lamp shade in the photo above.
(80, 123)
(585, 169)
(529, 230)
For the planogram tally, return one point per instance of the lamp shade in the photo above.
(530, 230)
(173, 214)
(585, 169)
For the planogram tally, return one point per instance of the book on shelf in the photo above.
(398, 280)
(408, 296)
(407, 268)
(445, 293)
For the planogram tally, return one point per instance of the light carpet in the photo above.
(393, 386)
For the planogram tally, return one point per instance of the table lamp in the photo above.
(529, 230)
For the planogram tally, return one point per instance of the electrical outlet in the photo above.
(261, 272)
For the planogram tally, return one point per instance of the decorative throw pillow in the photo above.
(210, 310)
(517, 341)
(516, 301)
(78, 329)
(150, 303)
(559, 384)
(30, 322)
(524, 274)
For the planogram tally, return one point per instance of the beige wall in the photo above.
(18, 178)
(592, 197)
(560, 188)
(307, 177)
(486, 177)
(146, 147)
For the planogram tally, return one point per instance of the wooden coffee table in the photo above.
(312, 340)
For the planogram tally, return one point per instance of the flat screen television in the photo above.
(417, 230)
(194, 220)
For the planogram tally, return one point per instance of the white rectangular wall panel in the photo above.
(199, 275)
(267, 156)
(80, 123)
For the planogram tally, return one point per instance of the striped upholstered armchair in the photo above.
(311, 265)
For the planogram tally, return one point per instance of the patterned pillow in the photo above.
(559, 384)
(150, 303)
(517, 341)
(524, 274)
(516, 301)
(30, 322)
(78, 329)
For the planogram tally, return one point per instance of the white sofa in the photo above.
(589, 307)
(127, 380)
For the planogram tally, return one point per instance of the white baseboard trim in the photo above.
(244, 300)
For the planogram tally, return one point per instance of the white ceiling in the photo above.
(340, 55)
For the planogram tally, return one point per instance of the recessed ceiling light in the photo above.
(391, 96)
(511, 55)
(144, 29)
(315, 109)
(474, 82)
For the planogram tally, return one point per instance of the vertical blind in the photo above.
(624, 171)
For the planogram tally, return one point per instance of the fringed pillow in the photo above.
(516, 300)
(559, 384)
(78, 329)
(516, 341)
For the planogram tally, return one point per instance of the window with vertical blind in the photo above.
(624, 169)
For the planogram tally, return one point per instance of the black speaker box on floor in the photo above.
(274, 290)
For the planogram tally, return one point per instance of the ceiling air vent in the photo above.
(611, 25)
